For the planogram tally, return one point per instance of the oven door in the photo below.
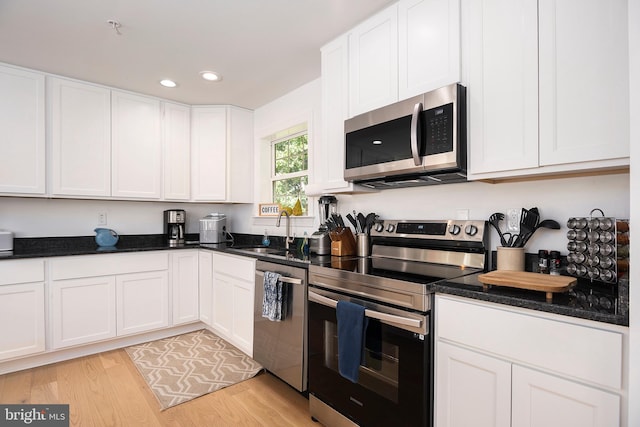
(394, 386)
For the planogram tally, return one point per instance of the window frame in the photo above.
(289, 134)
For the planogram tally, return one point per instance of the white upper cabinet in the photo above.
(222, 154)
(22, 142)
(584, 80)
(209, 153)
(373, 71)
(136, 146)
(176, 131)
(80, 138)
(240, 162)
(328, 176)
(407, 49)
(548, 86)
(429, 45)
(503, 85)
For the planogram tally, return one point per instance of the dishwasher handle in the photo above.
(385, 317)
(283, 279)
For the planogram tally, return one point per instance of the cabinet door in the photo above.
(240, 170)
(584, 80)
(142, 302)
(471, 389)
(184, 286)
(80, 138)
(22, 317)
(542, 400)
(429, 45)
(209, 153)
(205, 283)
(503, 85)
(329, 156)
(136, 146)
(243, 294)
(82, 310)
(223, 305)
(373, 63)
(22, 140)
(176, 131)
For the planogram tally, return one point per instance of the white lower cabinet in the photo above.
(98, 297)
(142, 302)
(82, 310)
(501, 366)
(22, 323)
(184, 286)
(233, 293)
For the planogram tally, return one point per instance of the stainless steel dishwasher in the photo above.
(281, 346)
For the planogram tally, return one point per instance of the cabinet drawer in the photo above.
(235, 266)
(21, 271)
(583, 352)
(107, 265)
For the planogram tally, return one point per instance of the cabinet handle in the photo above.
(320, 299)
(283, 279)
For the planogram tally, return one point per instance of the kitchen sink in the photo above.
(261, 250)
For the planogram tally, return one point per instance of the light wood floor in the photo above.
(107, 390)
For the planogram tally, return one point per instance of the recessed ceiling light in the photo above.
(211, 76)
(168, 83)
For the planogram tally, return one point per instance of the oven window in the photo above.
(379, 368)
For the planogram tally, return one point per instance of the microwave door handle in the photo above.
(399, 320)
(415, 146)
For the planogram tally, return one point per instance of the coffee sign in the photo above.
(269, 209)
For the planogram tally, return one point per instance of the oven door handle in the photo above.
(283, 279)
(405, 321)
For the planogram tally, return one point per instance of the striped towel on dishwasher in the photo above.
(274, 300)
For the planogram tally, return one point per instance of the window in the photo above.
(289, 171)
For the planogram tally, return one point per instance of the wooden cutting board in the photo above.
(526, 280)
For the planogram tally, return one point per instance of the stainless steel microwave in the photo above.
(418, 141)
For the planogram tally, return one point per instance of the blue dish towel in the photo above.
(274, 300)
(351, 326)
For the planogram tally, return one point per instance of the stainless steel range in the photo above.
(394, 384)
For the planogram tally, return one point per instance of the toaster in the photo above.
(6, 240)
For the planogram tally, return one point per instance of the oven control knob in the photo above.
(390, 228)
(454, 229)
(471, 230)
(379, 227)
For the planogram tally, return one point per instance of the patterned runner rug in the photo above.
(181, 368)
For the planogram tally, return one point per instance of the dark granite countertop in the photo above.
(585, 301)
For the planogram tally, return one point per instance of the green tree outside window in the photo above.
(290, 171)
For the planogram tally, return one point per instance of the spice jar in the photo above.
(554, 263)
(543, 261)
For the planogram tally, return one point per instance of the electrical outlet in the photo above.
(462, 214)
(102, 218)
(513, 220)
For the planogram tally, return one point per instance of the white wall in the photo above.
(34, 217)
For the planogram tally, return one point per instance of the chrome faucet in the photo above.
(288, 239)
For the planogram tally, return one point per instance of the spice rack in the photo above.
(598, 247)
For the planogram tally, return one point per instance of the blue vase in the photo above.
(106, 237)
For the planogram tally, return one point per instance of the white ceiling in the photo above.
(262, 48)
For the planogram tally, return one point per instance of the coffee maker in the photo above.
(320, 242)
(174, 223)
